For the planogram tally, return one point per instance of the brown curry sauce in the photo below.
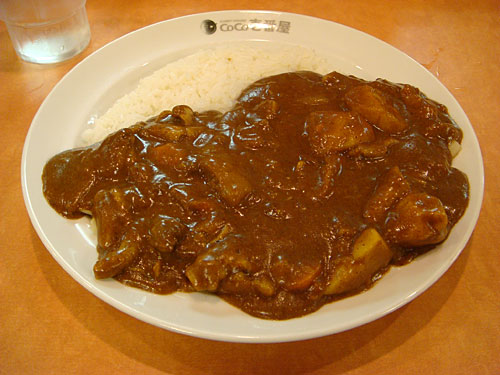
(264, 204)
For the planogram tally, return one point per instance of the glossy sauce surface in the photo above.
(269, 204)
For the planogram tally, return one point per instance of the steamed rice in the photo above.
(210, 79)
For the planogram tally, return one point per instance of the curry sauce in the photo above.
(306, 191)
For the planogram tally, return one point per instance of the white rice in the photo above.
(210, 79)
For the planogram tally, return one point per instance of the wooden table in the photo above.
(49, 324)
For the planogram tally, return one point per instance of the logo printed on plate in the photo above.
(210, 26)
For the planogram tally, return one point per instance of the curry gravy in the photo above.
(275, 204)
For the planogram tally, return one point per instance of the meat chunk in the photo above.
(165, 232)
(169, 156)
(116, 260)
(168, 132)
(328, 171)
(223, 258)
(267, 109)
(230, 183)
(253, 134)
(336, 131)
(339, 81)
(434, 118)
(376, 107)
(373, 150)
(111, 212)
(418, 219)
(391, 188)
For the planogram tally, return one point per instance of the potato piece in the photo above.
(374, 106)
(348, 275)
(370, 253)
(454, 148)
(264, 285)
(371, 249)
(331, 131)
(236, 283)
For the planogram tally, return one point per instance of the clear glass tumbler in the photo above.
(46, 31)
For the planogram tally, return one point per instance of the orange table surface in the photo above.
(49, 324)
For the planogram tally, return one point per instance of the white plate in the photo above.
(94, 84)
